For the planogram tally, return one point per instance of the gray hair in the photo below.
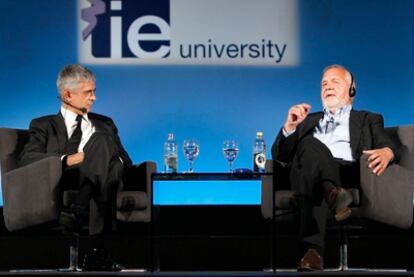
(70, 76)
(351, 76)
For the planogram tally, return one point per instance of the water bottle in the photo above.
(170, 155)
(259, 153)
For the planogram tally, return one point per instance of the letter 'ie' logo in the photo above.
(126, 28)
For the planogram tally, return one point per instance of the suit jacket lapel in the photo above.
(98, 124)
(355, 130)
(61, 132)
(311, 122)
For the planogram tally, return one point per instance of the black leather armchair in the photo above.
(31, 195)
(386, 199)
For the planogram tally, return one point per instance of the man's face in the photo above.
(83, 96)
(335, 88)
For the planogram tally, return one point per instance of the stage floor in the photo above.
(201, 273)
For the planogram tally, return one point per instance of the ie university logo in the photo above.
(184, 32)
(122, 30)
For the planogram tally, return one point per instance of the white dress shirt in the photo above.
(70, 122)
(333, 131)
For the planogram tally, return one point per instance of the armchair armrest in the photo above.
(133, 203)
(139, 176)
(387, 198)
(30, 193)
(273, 186)
(267, 192)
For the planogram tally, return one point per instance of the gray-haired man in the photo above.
(93, 158)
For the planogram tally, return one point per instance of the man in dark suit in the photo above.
(93, 158)
(323, 150)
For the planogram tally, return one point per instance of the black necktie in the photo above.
(74, 141)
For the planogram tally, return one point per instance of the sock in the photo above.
(327, 186)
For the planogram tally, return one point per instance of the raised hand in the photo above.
(296, 115)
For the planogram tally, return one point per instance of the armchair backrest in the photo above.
(388, 198)
(12, 142)
(404, 136)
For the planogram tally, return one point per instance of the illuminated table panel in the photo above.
(207, 189)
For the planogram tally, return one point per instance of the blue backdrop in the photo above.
(372, 38)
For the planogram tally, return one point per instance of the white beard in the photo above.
(332, 103)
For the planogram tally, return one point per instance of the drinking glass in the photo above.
(230, 151)
(191, 150)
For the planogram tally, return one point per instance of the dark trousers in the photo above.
(312, 167)
(98, 178)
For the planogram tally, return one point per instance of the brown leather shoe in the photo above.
(312, 261)
(338, 202)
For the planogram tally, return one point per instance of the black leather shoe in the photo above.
(311, 261)
(338, 202)
(99, 260)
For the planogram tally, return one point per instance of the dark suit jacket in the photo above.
(48, 137)
(366, 132)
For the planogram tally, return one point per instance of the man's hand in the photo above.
(296, 115)
(378, 159)
(75, 159)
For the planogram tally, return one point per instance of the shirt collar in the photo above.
(70, 117)
(344, 110)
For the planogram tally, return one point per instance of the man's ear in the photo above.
(66, 95)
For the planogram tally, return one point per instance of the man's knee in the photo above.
(100, 138)
(100, 142)
(313, 162)
(313, 148)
